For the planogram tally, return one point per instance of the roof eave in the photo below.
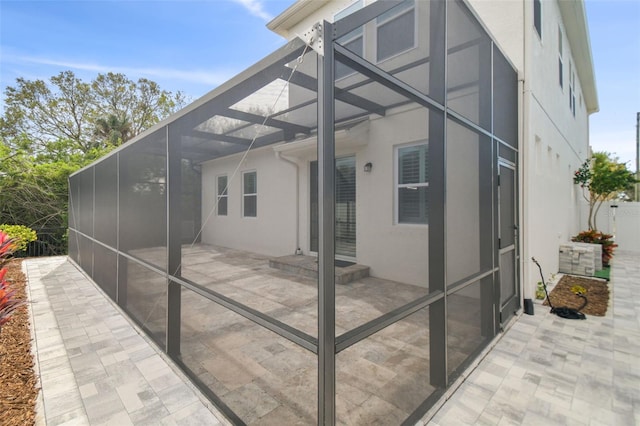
(575, 20)
(293, 15)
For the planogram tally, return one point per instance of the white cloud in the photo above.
(211, 78)
(256, 8)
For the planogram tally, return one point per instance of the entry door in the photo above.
(508, 242)
(345, 207)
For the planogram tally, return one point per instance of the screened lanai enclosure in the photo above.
(331, 236)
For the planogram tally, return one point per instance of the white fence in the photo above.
(623, 222)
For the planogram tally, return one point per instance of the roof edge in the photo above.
(574, 16)
(293, 15)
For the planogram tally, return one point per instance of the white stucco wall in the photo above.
(272, 232)
(393, 251)
(397, 252)
(553, 142)
(622, 222)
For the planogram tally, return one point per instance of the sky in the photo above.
(193, 46)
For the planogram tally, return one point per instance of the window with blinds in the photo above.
(345, 209)
(222, 196)
(250, 194)
(412, 184)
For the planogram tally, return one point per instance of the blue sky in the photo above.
(193, 46)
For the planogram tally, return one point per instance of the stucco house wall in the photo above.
(554, 142)
(397, 252)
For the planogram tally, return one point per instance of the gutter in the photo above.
(279, 156)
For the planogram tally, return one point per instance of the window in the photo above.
(222, 195)
(412, 184)
(560, 61)
(250, 194)
(354, 41)
(396, 30)
(537, 16)
(572, 89)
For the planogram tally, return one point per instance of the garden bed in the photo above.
(597, 295)
(19, 390)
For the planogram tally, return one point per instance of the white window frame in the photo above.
(252, 194)
(560, 59)
(224, 194)
(535, 28)
(397, 185)
(572, 88)
(391, 18)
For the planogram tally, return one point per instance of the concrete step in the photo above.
(307, 266)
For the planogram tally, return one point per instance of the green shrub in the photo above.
(22, 235)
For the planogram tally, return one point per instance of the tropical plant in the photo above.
(595, 237)
(602, 178)
(20, 234)
(8, 303)
(113, 130)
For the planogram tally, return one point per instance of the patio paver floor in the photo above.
(96, 368)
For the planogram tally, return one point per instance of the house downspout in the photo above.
(295, 164)
(525, 163)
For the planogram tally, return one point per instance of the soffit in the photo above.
(575, 22)
(293, 15)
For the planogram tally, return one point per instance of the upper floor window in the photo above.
(537, 16)
(412, 184)
(560, 60)
(396, 30)
(572, 89)
(391, 33)
(250, 194)
(223, 195)
(354, 41)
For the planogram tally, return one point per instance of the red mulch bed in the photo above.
(18, 382)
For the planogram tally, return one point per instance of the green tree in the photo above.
(33, 188)
(602, 178)
(66, 108)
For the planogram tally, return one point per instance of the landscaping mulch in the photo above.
(597, 295)
(18, 382)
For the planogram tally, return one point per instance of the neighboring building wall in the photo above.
(623, 222)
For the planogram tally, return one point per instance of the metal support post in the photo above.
(326, 221)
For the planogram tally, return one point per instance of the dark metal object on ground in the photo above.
(563, 311)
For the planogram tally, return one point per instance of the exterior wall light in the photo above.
(368, 167)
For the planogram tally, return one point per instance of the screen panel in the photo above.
(143, 199)
(143, 294)
(106, 201)
(468, 66)
(262, 377)
(384, 378)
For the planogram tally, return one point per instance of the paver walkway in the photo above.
(546, 370)
(95, 367)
